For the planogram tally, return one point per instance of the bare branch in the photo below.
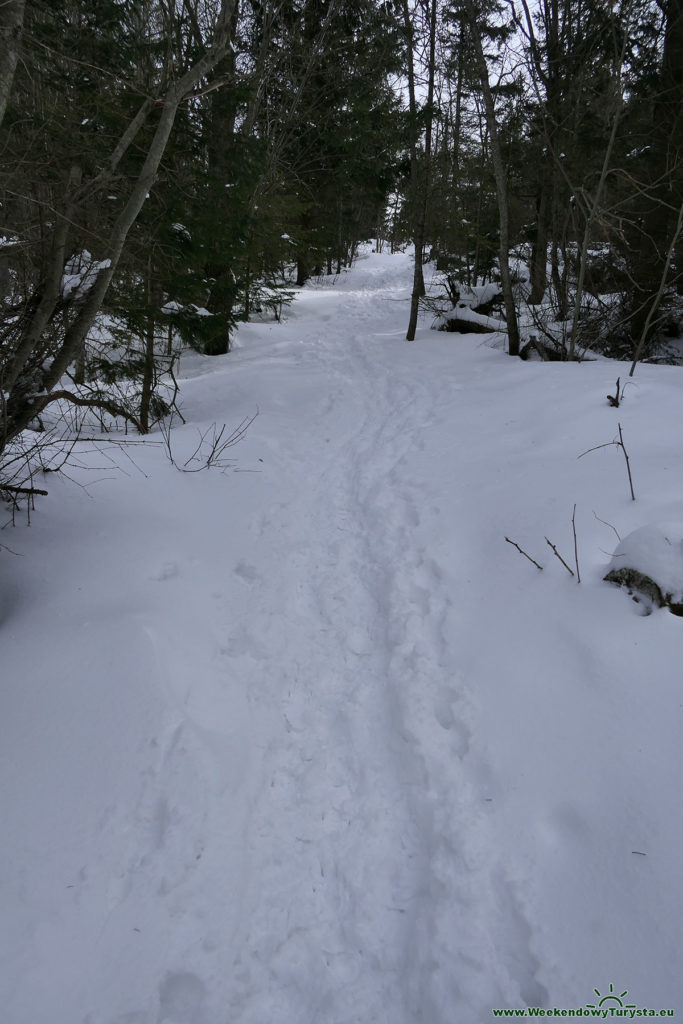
(604, 523)
(522, 552)
(22, 490)
(628, 464)
(558, 555)
(91, 402)
(576, 549)
(615, 444)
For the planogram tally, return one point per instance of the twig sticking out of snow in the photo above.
(515, 545)
(617, 398)
(617, 444)
(576, 549)
(211, 447)
(558, 555)
(628, 464)
(607, 524)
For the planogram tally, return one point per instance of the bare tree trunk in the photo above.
(11, 26)
(538, 270)
(663, 192)
(420, 201)
(501, 184)
(596, 200)
(657, 298)
(49, 292)
(148, 367)
(418, 279)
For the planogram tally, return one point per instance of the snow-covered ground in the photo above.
(306, 741)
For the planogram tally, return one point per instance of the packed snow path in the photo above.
(366, 793)
(307, 742)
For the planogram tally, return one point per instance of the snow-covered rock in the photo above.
(649, 563)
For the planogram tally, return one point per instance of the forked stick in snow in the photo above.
(558, 555)
(617, 444)
(515, 545)
(628, 464)
(615, 399)
(576, 549)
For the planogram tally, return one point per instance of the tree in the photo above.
(420, 168)
(333, 117)
(654, 231)
(11, 24)
(46, 326)
(499, 170)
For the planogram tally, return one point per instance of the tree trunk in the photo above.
(147, 389)
(663, 191)
(596, 200)
(420, 200)
(418, 279)
(501, 184)
(11, 26)
(539, 253)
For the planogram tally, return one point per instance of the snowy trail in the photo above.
(307, 742)
(372, 892)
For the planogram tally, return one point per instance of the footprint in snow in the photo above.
(446, 716)
(181, 999)
(168, 571)
(247, 573)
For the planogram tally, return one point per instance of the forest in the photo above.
(340, 584)
(172, 168)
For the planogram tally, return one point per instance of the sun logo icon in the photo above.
(610, 997)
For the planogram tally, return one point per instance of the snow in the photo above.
(656, 551)
(464, 312)
(478, 295)
(306, 741)
(181, 230)
(175, 307)
(80, 275)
